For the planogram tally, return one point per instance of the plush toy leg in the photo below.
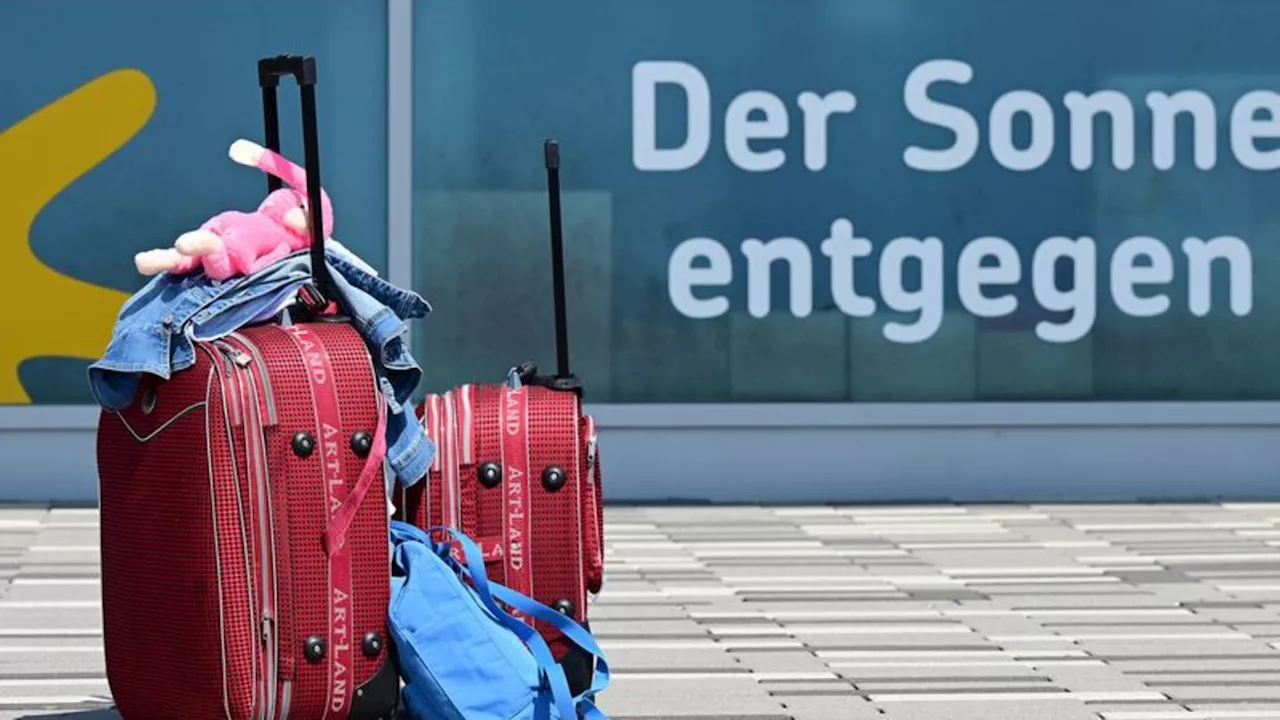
(204, 248)
(154, 262)
(198, 243)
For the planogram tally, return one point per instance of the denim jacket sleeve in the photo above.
(384, 330)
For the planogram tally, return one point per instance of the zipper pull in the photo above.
(266, 629)
(239, 358)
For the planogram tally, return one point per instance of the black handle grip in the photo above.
(303, 70)
(301, 67)
(551, 153)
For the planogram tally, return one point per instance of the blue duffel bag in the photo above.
(462, 655)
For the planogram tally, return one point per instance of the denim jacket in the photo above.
(156, 330)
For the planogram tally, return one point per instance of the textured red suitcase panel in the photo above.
(314, 605)
(216, 552)
(486, 436)
(441, 499)
(559, 533)
(174, 556)
(538, 541)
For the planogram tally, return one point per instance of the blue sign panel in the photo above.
(821, 200)
(859, 200)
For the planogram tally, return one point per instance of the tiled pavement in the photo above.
(1124, 612)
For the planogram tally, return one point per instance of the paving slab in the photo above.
(677, 697)
(1020, 709)
(1268, 692)
(948, 612)
(828, 708)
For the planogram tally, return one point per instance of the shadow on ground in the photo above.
(97, 714)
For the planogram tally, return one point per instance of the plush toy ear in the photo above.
(246, 152)
(296, 220)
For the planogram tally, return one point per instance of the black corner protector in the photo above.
(489, 474)
(579, 667)
(379, 697)
(313, 649)
(303, 444)
(371, 645)
(361, 443)
(553, 478)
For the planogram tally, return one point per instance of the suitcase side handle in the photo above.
(303, 70)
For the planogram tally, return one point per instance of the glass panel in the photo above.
(1012, 246)
(170, 85)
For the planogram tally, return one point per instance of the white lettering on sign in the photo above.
(757, 118)
(973, 274)
(986, 271)
(755, 121)
(713, 268)
(677, 120)
(1254, 116)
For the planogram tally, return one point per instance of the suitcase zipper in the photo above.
(255, 463)
(270, 628)
(228, 365)
(592, 444)
(286, 698)
(256, 357)
(254, 431)
(232, 391)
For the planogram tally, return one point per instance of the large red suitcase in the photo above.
(244, 534)
(517, 468)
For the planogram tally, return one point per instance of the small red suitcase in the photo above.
(244, 534)
(518, 469)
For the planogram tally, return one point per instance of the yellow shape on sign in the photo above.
(47, 313)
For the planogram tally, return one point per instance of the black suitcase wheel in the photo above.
(579, 666)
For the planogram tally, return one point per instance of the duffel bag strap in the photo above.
(577, 634)
(553, 676)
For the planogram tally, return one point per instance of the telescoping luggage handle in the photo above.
(303, 70)
(528, 372)
(551, 153)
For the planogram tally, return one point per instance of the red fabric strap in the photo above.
(341, 509)
(513, 419)
(336, 534)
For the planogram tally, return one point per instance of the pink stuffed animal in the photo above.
(236, 243)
